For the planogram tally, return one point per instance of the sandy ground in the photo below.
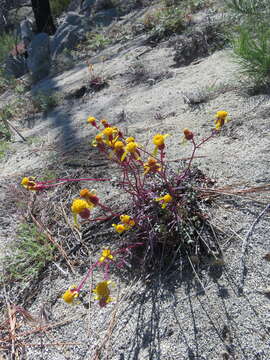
(170, 317)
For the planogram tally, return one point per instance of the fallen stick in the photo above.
(16, 131)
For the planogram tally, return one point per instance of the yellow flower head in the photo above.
(159, 139)
(221, 114)
(70, 295)
(79, 205)
(106, 254)
(102, 292)
(130, 139)
(119, 228)
(221, 119)
(164, 200)
(108, 131)
(90, 197)
(159, 142)
(25, 181)
(104, 123)
(92, 120)
(99, 138)
(118, 146)
(29, 183)
(98, 141)
(127, 221)
(151, 166)
(131, 148)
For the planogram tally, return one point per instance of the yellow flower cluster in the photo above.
(126, 224)
(164, 200)
(113, 138)
(101, 290)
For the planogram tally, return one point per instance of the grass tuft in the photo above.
(7, 42)
(29, 255)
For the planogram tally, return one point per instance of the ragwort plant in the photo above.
(165, 219)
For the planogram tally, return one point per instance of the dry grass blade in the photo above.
(226, 190)
(210, 193)
(12, 324)
(51, 239)
(40, 329)
(48, 344)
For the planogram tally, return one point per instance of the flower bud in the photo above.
(188, 134)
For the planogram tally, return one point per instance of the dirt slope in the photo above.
(170, 317)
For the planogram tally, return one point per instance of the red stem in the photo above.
(89, 272)
(68, 180)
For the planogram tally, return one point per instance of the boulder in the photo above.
(69, 34)
(87, 7)
(105, 17)
(39, 59)
(26, 31)
(17, 15)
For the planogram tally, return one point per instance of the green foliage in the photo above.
(6, 113)
(97, 41)
(58, 6)
(253, 51)
(45, 102)
(4, 146)
(7, 42)
(29, 255)
(248, 7)
(164, 22)
(251, 38)
(5, 81)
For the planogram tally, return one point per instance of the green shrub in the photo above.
(248, 7)
(58, 6)
(97, 41)
(7, 42)
(4, 146)
(164, 22)
(43, 102)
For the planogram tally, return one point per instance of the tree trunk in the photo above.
(43, 16)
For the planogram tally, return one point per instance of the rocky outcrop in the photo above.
(69, 33)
